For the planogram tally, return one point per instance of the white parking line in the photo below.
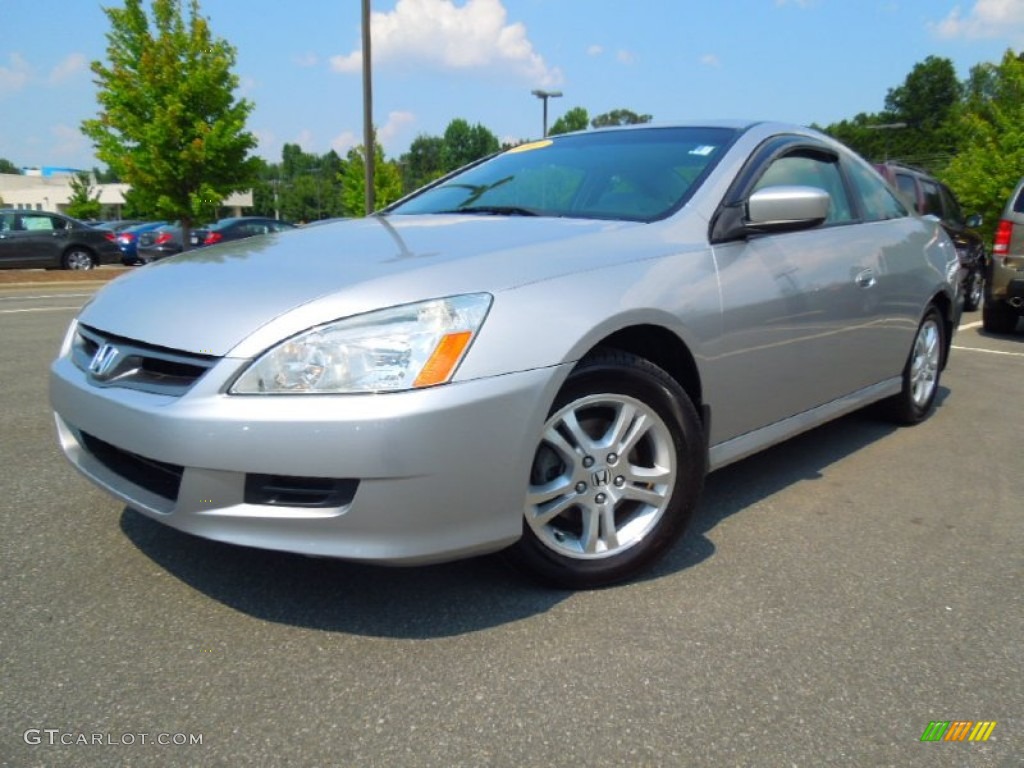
(37, 309)
(975, 324)
(53, 296)
(989, 351)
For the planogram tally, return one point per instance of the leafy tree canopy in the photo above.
(576, 119)
(6, 166)
(387, 181)
(990, 160)
(619, 117)
(83, 204)
(169, 124)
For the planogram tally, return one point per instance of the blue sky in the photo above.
(800, 61)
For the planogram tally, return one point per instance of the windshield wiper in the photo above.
(495, 210)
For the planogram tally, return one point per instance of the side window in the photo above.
(805, 169)
(878, 199)
(34, 223)
(951, 207)
(907, 188)
(932, 198)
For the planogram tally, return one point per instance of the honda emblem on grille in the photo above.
(104, 360)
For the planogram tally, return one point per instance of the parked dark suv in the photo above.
(39, 239)
(928, 195)
(1004, 300)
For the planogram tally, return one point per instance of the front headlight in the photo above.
(407, 347)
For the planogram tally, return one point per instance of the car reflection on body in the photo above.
(543, 353)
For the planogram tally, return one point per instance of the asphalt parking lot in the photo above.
(836, 595)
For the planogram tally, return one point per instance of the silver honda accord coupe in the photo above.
(543, 353)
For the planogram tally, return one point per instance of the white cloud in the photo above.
(397, 121)
(344, 141)
(305, 140)
(441, 35)
(306, 60)
(16, 76)
(986, 18)
(68, 67)
(626, 57)
(710, 60)
(595, 50)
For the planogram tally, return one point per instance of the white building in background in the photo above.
(49, 189)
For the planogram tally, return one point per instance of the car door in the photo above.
(33, 240)
(800, 308)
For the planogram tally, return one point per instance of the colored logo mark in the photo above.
(958, 730)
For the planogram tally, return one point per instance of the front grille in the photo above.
(136, 365)
(157, 477)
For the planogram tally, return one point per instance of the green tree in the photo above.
(387, 181)
(464, 143)
(6, 166)
(169, 123)
(83, 204)
(619, 117)
(990, 160)
(576, 119)
(423, 163)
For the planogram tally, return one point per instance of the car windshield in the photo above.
(635, 175)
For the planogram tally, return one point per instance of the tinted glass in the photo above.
(811, 170)
(905, 186)
(950, 207)
(638, 175)
(877, 198)
(932, 198)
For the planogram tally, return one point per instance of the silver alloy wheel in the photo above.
(924, 366)
(602, 476)
(974, 294)
(78, 259)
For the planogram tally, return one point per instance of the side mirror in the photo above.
(773, 209)
(975, 220)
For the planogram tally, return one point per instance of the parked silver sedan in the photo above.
(544, 353)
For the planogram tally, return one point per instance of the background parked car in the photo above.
(159, 243)
(1004, 299)
(51, 240)
(237, 228)
(128, 240)
(928, 195)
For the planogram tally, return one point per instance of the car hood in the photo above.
(210, 300)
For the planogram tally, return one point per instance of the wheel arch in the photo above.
(666, 350)
(944, 305)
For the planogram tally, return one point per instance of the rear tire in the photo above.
(78, 259)
(921, 373)
(975, 292)
(998, 317)
(616, 474)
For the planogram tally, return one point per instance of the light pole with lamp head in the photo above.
(544, 96)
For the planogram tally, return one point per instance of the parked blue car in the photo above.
(128, 241)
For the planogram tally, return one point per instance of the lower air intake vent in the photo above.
(287, 491)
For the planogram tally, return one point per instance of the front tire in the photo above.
(921, 373)
(616, 474)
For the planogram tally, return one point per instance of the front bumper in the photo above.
(426, 475)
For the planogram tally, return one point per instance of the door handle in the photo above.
(865, 278)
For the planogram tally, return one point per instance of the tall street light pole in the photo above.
(544, 96)
(367, 110)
